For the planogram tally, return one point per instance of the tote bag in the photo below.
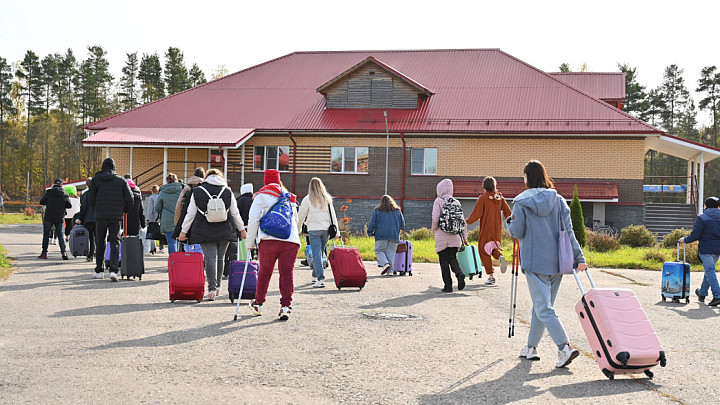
(565, 251)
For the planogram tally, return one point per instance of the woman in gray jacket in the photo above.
(535, 224)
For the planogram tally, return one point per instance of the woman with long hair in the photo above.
(317, 212)
(535, 224)
(385, 224)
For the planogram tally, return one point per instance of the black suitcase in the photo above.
(79, 241)
(132, 252)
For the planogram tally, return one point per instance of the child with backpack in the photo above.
(272, 228)
(448, 223)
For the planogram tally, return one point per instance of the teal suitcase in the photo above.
(469, 260)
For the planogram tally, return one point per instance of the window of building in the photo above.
(349, 160)
(271, 157)
(424, 161)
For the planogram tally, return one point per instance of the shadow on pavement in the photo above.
(700, 312)
(410, 300)
(176, 337)
(113, 309)
(513, 386)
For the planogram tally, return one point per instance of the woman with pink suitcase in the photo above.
(535, 224)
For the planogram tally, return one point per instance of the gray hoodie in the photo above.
(535, 225)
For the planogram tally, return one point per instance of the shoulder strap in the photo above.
(559, 207)
(330, 212)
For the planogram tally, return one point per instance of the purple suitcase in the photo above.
(235, 280)
(107, 255)
(403, 260)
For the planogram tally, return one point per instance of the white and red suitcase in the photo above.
(619, 332)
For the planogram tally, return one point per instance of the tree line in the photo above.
(44, 102)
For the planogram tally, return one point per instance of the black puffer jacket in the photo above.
(203, 231)
(244, 202)
(56, 201)
(86, 214)
(136, 216)
(109, 194)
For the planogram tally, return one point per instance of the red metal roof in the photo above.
(171, 136)
(605, 86)
(587, 190)
(476, 91)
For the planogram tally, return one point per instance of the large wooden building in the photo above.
(370, 121)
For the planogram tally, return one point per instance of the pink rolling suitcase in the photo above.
(618, 331)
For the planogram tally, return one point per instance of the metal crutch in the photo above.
(242, 283)
(514, 270)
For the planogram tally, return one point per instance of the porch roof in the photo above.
(679, 147)
(176, 137)
(587, 190)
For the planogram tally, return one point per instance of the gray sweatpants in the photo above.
(385, 252)
(214, 255)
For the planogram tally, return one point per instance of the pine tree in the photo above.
(128, 83)
(577, 219)
(674, 94)
(656, 106)
(636, 99)
(565, 68)
(176, 74)
(30, 73)
(6, 108)
(95, 85)
(197, 77)
(49, 66)
(150, 76)
(709, 83)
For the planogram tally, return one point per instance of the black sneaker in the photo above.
(43, 255)
(447, 289)
(65, 257)
(461, 283)
(701, 298)
(714, 302)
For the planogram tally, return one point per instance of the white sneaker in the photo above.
(284, 313)
(503, 264)
(566, 356)
(98, 275)
(320, 284)
(529, 353)
(314, 280)
(255, 308)
(490, 280)
(113, 276)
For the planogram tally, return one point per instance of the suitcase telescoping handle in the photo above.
(592, 283)
(342, 244)
(678, 252)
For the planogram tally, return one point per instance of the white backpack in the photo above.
(216, 211)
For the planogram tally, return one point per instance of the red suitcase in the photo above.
(347, 267)
(186, 272)
(618, 331)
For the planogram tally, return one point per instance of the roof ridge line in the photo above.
(597, 100)
(396, 51)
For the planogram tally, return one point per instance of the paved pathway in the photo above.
(69, 338)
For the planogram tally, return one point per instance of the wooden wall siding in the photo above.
(378, 90)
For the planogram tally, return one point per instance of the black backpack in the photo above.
(452, 219)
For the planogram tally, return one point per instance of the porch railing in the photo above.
(670, 189)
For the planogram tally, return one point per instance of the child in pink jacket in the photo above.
(446, 244)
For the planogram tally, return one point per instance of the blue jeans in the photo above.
(47, 232)
(710, 281)
(170, 242)
(385, 252)
(543, 291)
(318, 241)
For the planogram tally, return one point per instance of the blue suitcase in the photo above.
(676, 279)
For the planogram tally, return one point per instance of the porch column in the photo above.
(689, 181)
(209, 159)
(186, 161)
(225, 163)
(242, 166)
(701, 183)
(131, 162)
(165, 155)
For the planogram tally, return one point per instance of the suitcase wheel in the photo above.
(663, 298)
(232, 300)
(410, 273)
(172, 300)
(609, 374)
(394, 273)
(649, 373)
(361, 288)
(339, 287)
(687, 301)
(470, 276)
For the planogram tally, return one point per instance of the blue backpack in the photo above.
(278, 221)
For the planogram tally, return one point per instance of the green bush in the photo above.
(576, 217)
(656, 255)
(670, 241)
(637, 236)
(474, 235)
(421, 234)
(601, 243)
(691, 254)
(505, 235)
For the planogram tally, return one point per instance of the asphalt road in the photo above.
(68, 338)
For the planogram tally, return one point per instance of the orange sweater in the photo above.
(487, 210)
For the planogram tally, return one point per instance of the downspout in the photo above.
(294, 159)
(402, 190)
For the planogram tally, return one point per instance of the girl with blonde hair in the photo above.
(317, 212)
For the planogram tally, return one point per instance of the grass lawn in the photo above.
(19, 219)
(625, 258)
(6, 268)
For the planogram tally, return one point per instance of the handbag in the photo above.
(401, 247)
(566, 258)
(332, 229)
(153, 231)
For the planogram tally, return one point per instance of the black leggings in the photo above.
(448, 261)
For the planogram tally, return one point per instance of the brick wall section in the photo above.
(621, 216)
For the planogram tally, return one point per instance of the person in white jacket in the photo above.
(318, 213)
(272, 249)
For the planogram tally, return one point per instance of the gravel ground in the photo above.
(69, 338)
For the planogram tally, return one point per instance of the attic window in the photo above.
(372, 73)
